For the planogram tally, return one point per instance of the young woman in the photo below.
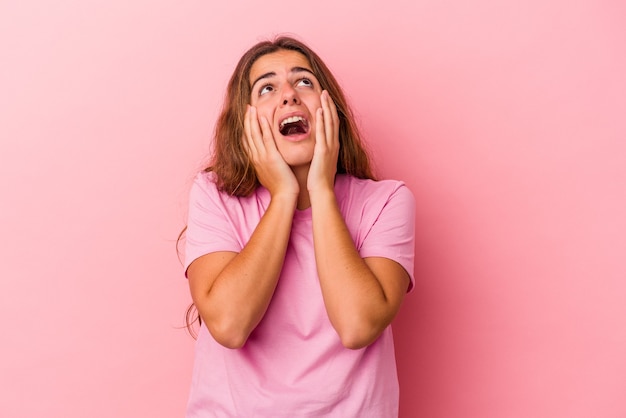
(297, 259)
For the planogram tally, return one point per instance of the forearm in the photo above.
(355, 300)
(237, 299)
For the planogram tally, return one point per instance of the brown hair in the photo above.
(230, 162)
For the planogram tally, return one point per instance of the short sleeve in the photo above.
(209, 227)
(393, 233)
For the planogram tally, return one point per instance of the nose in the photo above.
(290, 96)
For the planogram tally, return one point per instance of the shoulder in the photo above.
(205, 180)
(364, 203)
(207, 183)
(369, 191)
(204, 189)
(205, 192)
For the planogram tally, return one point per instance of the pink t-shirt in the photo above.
(293, 364)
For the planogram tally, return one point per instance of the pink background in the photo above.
(506, 119)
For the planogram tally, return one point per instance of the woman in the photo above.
(297, 259)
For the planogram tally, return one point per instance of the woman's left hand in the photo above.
(326, 151)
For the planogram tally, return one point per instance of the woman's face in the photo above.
(286, 92)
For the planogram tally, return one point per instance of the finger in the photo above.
(329, 129)
(335, 114)
(320, 132)
(247, 132)
(266, 133)
(255, 131)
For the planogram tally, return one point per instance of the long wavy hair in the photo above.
(229, 159)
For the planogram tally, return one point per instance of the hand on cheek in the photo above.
(270, 167)
(326, 152)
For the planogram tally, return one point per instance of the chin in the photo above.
(297, 154)
(298, 160)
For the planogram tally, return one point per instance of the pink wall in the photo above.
(506, 119)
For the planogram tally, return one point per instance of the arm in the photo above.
(362, 296)
(233, 290)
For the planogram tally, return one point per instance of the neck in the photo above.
(302, 174)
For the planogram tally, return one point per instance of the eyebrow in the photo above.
(273, 74)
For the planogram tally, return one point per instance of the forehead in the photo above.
(281, 61)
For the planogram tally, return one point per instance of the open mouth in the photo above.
(294, 125)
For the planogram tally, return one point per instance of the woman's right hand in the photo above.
(270, 167)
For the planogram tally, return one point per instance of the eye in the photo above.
(305, 82)
(268, 88)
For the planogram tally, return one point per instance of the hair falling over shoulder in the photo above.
(229, 161)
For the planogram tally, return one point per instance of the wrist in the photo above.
(322, 196)
(284, 199)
